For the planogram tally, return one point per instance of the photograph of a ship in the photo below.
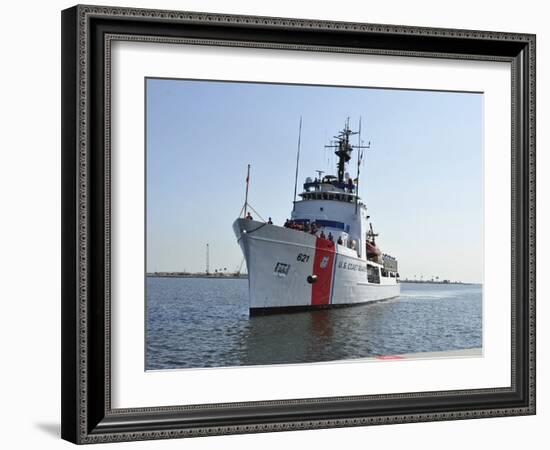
(292, 223)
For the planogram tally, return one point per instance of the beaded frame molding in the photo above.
(87, 34)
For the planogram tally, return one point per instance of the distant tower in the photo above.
(207, 259)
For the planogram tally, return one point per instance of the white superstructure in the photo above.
(326, 255)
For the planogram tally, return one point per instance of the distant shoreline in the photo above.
(216, 276)
(437, 282)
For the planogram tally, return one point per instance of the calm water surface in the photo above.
(194, 322)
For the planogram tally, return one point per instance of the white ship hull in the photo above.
(289, 269)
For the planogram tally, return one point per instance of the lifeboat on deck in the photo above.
(373, 250)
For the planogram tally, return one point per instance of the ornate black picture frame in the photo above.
(87, 415)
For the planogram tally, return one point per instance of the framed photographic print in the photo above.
(279, 224)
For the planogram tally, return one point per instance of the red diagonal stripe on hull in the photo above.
(322, 267)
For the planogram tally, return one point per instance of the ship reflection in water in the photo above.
(193, 323)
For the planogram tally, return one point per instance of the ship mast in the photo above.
(359, 160)
(297, 163)
(372, 234)
(344, 149)
(246, 192)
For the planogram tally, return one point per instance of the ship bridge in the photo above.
(335, 209)
(330, 188)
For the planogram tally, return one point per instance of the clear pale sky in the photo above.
(421, 179)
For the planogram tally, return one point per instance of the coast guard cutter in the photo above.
(326, 254)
